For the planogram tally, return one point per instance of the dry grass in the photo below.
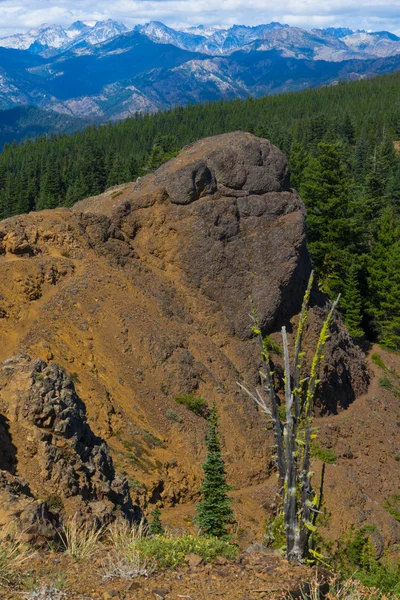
(14, 552)
(81, 540)
(123, 535)
(124, 560)
(347, 590)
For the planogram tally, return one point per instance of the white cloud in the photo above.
(20, 15)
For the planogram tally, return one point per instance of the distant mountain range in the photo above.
(104, 71)
(332, 44)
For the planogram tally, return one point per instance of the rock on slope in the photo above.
(141, 295)
(48, 442)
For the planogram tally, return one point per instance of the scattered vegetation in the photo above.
(351, 589)
(194, 403)
(272, 346)
(45, 592)
(170, 552)
(132, 547)
(75, 377)
(392, 505)
(355, 558)
(385, 383)
(151, 440)
(377, 359)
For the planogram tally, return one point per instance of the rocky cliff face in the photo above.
(48, 442)
(140, 295)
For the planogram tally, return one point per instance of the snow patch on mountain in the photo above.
(55, 37)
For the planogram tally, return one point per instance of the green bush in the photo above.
(392, 505)
(385, 383)
(275, 535)
(54, 502)
(173, 416)
(151, 440)
(376, 358)
(194, 403)
(355, 558)
(171, 552)
(271, 346)
(325, 454)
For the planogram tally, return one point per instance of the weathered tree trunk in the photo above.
(294, 436)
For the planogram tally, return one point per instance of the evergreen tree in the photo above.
(155, 525)
(384, 280)
(50, 187)
(352, 302)
(299, 158)
(214, 511)
(325, 190)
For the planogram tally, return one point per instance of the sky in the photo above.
(374, 15)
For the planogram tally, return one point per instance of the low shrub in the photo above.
(355, 558)
(194, 403)
(169, 552)
(392, 505)
(376, 358)
(54, 502)
(151, 440)
(173, 416)
(133, 544)
(325, 454)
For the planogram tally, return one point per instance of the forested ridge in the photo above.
(341, 141)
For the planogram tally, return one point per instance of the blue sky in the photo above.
(21, 15)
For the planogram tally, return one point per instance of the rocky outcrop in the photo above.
(58, 458)
(141, 295)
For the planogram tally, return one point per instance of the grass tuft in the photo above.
(350, 589)
(80, 540)
(14, 552)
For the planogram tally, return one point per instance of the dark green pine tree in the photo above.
(348, 129)
(214, 511)
(352, 302)
(155, 525)
(325, 190)
(299, 158)
(50, 187)
(384, 280)
(156, 158)
(117, 173)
